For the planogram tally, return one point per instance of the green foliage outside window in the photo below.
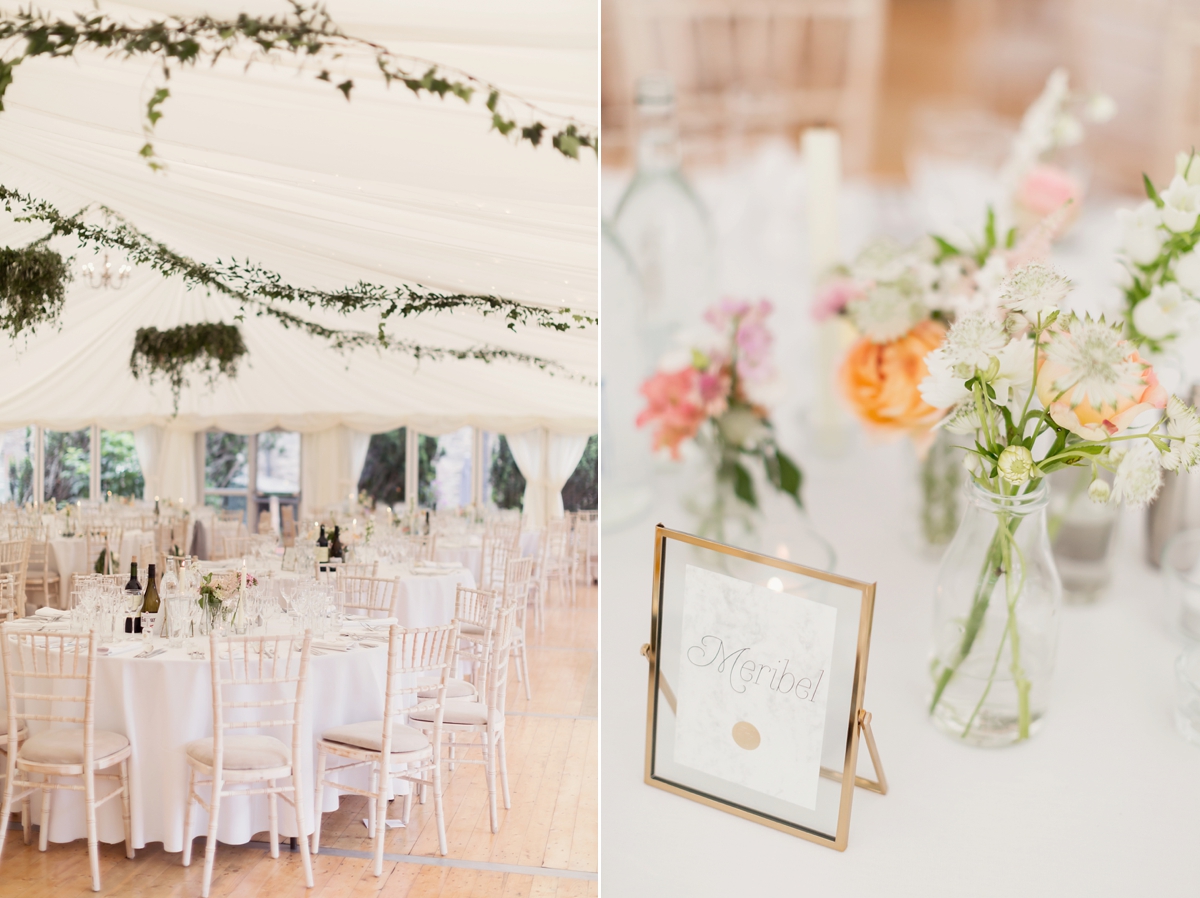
(225, 460)
(581, 491)
(20, 473)
(507, 482)
(120, 470)
(68, 465)
(383, 472)
(427, 455)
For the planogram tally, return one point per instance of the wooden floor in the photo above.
(551, 829)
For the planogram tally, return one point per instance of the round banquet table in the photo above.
(68, 555)
(160, 704)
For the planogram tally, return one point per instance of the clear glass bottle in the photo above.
(663, 224)
(995, 620)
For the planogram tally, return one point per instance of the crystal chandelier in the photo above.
(106, 277)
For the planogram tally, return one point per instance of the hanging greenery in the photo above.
(307, 34)
(33, 281)
(206, 348)
(251, 283)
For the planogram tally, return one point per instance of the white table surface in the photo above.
(1104, 801)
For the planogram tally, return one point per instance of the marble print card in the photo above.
(753, 685)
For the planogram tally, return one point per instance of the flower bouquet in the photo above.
(1035, 391)
(712, 397)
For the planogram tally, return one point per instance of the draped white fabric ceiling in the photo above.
(274, 166)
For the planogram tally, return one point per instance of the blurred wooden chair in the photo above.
(38, 575)
(14, 560)
(744, 68)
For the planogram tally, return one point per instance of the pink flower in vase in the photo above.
(723, 313)
(673, 403)
(1044, 190)
(833, 297)
(754, 341)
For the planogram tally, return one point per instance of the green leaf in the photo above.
(345, 87)
(1010, 239)
(1151, 192)
(989, 231)
(946, 248)
(790, 477)
(743, 485)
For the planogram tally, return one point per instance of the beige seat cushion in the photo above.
(370, 736)
(455, 688)
(66, 746)
(243, 752)
(469, 629)
(22, 732)
(461, 712)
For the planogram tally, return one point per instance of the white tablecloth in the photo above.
(163, 703)
(68, 555)
(468, 551)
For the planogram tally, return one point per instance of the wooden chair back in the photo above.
(496, 552)
(428, 651)
(48, 659)
(496, 687)
(287, 519)
(372, 595)
(422, 548)
(358, 569)
(14, 559)
(8, 596)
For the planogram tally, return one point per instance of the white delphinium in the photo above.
(1183, 431)
(1166, 312)
(1139, 473)
(1187, 269)
(1181, 205)
(886, 313)
(1142, 238)
(1101, 108)
(1034, 290)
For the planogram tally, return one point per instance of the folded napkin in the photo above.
(119, 648)
(327, 645)
(370, 623)
(51, 613)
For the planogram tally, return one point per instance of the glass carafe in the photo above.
(995, 620)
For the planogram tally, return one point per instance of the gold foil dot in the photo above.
(746, 735)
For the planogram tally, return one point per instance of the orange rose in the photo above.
(880, 380)
(1141, 393)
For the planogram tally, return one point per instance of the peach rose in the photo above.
(1082, 418)
(881, 380)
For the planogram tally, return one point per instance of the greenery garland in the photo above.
(308, 33)
(208, 348)
(33, 281)
(251, 283)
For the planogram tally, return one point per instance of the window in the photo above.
(450, 465)
(580, 493)
(120, 469)
(428, 452)
(278, 474)
(68, 465)
(226, 471)
(16, 465)
(383, 472)
(506, 484)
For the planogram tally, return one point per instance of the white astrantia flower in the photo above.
(972, 343)
(1034, 289)
(1166, 312)
(1142, 238)
(882, 260)
(1093, 356)
(989, 278)
(1181, 205)
(1183, 429)
(942, 388)
(1099, 491)
(1015, 464)
(1122, 276)
(1187, 166)
(1187, 268)
(886, 313)
(1139, 475)
(1068, 130)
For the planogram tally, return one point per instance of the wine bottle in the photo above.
(133, 588)
(150, 603)
(335, 547)
(322, 552)
(427, 522)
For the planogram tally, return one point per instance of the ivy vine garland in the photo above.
(307, 34)
(251, 283)
(33, 281)
(206, 348)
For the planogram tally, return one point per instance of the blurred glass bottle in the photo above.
(625, 450)
(663, 225)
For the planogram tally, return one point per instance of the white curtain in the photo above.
(177, 466)
(331, 461)
(148, 443)
(546, 462)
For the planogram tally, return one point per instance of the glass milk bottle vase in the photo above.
(995, 620)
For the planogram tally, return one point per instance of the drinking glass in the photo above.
(179, 621)
(1181, 575)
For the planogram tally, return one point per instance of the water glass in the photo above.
(1181, 575)
(179, 619)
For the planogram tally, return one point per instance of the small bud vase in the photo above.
(995, 625)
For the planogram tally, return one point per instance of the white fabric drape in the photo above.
(546, 462)
(147, 441)
(331, 461)
(177, 466)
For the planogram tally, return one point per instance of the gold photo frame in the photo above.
(827, 820)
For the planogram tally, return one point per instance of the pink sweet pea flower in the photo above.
(673, 399)
(833, 297)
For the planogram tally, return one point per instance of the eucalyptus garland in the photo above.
(248, 282)
(307, 34)
(208, 348)
(33, 281)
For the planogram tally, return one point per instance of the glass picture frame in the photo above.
(757, 675)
